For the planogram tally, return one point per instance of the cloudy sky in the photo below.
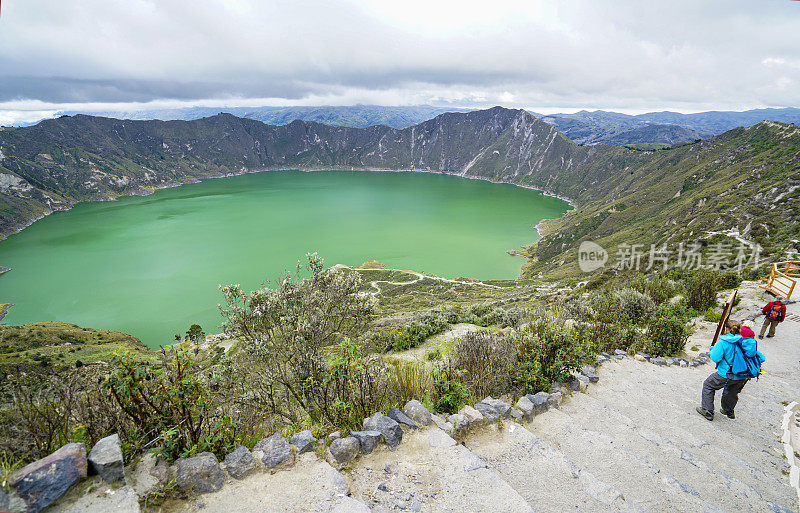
(548, 56)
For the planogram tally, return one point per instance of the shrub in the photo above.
(487, 362)
(511, 317)
(659, 288)
(701, 289)
(417, 332)
(729, 280)
(602, 337)
(433, 355)
(633, 306)
(667, 331)
(352, 387)
(547, 352)
(195, 333)
(44, 409)
(410, 381)
(605, 308)
(712, 315)
(289, 328)
(577, 309)
(436, 321)
(449, 391)
(168, 404)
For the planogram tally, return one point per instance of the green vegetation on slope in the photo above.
(744, 182)
(61, 343)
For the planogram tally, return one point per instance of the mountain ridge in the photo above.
(59, 162)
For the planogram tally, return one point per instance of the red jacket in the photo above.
(781, 310)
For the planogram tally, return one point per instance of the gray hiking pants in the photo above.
(730, 392)
(771, 324)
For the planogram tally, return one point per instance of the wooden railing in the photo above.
(782, 279)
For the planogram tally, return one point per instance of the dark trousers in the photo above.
(730, 391)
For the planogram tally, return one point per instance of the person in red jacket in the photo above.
(774, 313)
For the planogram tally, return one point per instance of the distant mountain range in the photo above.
(603, 127)
(746, 180)
(584, 127)
(354, 116)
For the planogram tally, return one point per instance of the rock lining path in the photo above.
(631, 443)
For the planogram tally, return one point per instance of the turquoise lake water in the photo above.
(151, 266)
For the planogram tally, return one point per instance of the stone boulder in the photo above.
(525, 406)
(573, 384)
(659, 361)
(515, 414)
(401, 418)
(105, 459)
(442, 424)
(345, 449)
(368, 440)
(349, 505)
(388, 427)
(198, 474)
(45, 480)
(240, 463)
(555, 399)
(304, 441)
(591, 373)
(274, 452)
(474, 416)
(417, 412)
(501, 407)
(541, 402)
(488, 412)
(149, 473)
(459, 422)
(620, 352)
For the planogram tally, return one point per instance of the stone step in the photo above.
(541, 474)
(711, 470)
(431, 473)
(639, 479)
(311, 485)
(655, 395)
(672, 398)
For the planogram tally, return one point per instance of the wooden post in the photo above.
(726, 313)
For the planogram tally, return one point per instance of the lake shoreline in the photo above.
(147, 191)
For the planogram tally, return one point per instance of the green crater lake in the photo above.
(151, 266)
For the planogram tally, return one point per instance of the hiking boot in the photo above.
(728, 414)
(761, 337)
(708, 415)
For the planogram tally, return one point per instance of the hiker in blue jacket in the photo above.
(738, 360)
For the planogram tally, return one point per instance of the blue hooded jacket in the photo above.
(722, 352)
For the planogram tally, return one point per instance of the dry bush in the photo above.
(487, 361)
(410, 380)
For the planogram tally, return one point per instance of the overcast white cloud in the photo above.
(685, 55)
